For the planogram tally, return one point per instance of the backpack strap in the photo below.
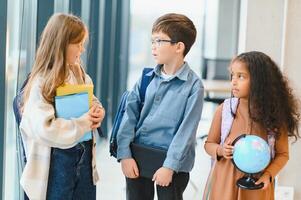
(18, 100)
(145, 80)
(227, 118)
(144, 83)
(18, 116)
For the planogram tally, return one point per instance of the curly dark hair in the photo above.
(271, 101)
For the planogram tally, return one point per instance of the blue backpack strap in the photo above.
(18, 116)
(122, 108)
(116, 124)
(144, 83)
(18, 100)
(227, 117)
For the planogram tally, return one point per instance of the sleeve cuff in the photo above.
(124, 153)
(172, 164)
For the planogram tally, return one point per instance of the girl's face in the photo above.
(163, 50)
(74, 52)
(240, 80)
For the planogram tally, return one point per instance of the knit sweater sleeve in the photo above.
(39, 122)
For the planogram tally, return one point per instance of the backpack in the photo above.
(122, 107)
(227, 120)
(17, 102)
(18, 116)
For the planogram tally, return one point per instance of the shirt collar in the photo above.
(181, 74)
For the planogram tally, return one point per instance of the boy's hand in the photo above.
(163, 176)
(265, 179)
(97, 114)
(129, 168)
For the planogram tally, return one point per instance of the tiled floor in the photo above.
(112, 183)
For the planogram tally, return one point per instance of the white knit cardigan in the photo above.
(40, 131)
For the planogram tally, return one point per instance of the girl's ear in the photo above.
(180, 47)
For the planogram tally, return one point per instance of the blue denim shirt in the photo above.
(168, 119)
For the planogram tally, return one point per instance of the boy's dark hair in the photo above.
(178, 27)
(272, 101)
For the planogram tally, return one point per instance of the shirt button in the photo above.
(157, 98)
(144, 129)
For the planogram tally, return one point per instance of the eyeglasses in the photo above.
(158, 42)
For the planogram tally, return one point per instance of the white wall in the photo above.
(274, 27)
(291, 65)
(261, 25)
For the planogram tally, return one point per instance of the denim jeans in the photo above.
(143, 188)
(70, 174)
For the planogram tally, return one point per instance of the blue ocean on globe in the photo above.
(251, 154)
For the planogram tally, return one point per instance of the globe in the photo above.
(251, 155)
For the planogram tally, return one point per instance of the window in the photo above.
(19, 56)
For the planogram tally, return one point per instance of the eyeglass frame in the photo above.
(157, 42)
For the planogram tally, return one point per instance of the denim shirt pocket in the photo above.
(172, 106)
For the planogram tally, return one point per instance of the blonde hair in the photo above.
(50, 62)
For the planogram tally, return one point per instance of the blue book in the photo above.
(73, 106)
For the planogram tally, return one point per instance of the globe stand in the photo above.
(248, 183)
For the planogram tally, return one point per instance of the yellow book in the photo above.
(68, 89)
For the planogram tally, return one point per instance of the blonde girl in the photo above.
(60, 157)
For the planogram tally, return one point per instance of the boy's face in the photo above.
(163, 48)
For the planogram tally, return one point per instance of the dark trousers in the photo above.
(143, 188)
(70, 174)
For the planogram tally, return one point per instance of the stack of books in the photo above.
(72, 101)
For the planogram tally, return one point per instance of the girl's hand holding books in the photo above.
(97, 113)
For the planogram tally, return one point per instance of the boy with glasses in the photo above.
(169, 117)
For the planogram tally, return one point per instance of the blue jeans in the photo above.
(70, 174)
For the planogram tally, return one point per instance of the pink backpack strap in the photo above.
(227, 118)
(227, 121)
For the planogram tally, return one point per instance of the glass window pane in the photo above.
(21, 45)
(61, 6)
(11, 170)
